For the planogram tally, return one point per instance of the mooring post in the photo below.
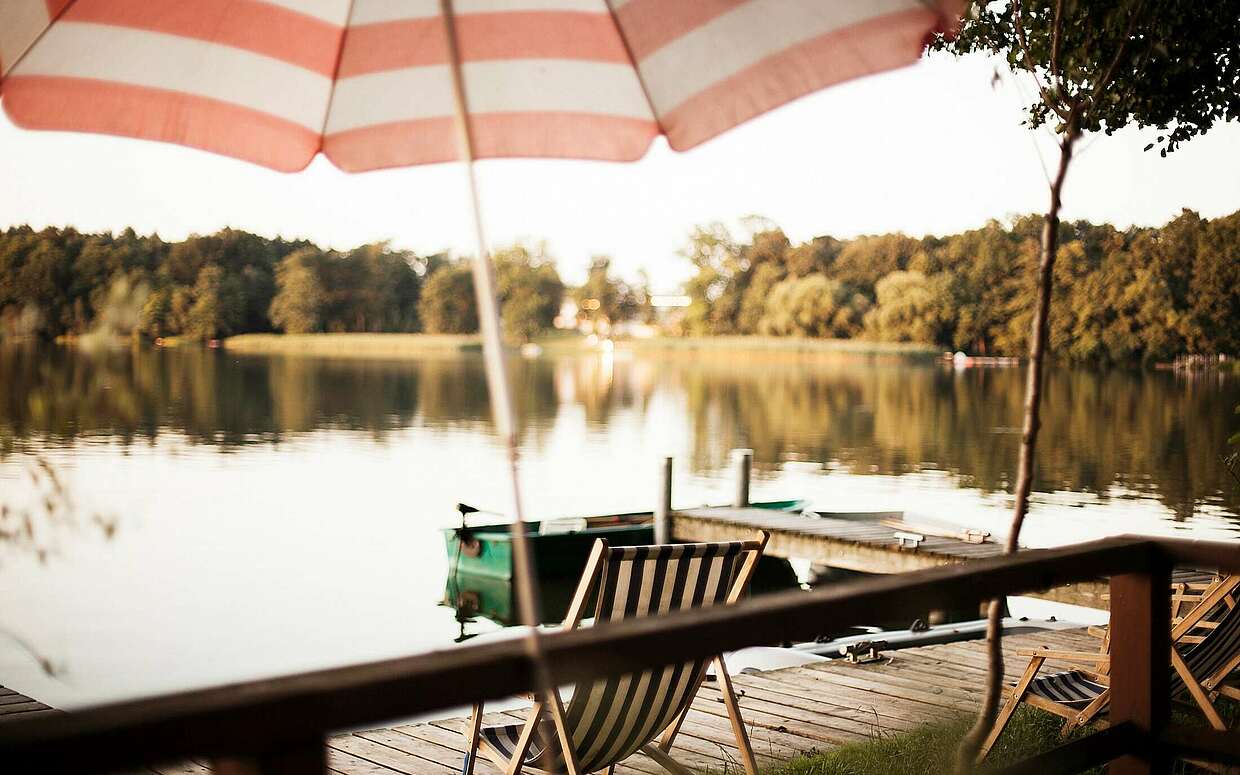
(743, 460)
(663, 506)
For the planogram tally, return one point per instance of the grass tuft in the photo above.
(932, 748)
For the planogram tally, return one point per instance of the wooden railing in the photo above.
(280, 725)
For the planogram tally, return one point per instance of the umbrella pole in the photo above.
(498, 385)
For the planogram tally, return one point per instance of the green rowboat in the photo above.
(560, 546)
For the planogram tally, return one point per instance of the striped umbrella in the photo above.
(387, 83)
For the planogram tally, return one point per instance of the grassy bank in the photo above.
(782, 344)
(351, 345)
(414, 345)
(932, 748)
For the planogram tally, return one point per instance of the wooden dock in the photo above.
(14, 706)
(789, 712)
(863, 541)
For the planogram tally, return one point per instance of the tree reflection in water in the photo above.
(1153, 433)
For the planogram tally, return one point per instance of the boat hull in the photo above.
(486, 550)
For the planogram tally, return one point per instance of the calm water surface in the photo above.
(176, 519)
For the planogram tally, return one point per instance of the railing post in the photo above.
(663, 506)
(1141, 662)
(308, 758)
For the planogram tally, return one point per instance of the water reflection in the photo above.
(1104, 432)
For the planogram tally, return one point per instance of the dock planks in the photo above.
(14, 706)
(788, 712)
(859, 542)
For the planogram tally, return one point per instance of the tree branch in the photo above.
(1105, 79)
(1056, 39)
(966, 753)
(1019, 25)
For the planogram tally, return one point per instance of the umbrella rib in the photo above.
(331, 98)
(497, 380)
(641, 80)
(37, 38)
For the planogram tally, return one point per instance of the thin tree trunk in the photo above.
(966, 754)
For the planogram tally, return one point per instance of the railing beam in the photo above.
(308, 758)
(283, 712)
(1140, 672)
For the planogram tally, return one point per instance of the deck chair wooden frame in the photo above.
(658, 744)
(1096, 667)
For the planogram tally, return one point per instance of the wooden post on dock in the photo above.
(663, 506)
(743, 463)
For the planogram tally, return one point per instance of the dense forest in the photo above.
(1120, 296)
(58, 282)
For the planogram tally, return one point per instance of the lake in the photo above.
(181, 518)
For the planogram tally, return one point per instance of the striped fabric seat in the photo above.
(545, 749)
(1075, 689)
(1215, 654)
(611, 718)
(1076, 696)
(1071, 688)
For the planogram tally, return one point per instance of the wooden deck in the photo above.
(14, 706)
(788, 712)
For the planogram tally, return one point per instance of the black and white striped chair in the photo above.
(1199, 667)
(609, 719)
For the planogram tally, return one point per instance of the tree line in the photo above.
(57, 282)
(1140, 294)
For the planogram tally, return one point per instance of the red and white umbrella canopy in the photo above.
(369, 83)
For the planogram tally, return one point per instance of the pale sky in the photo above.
(930, 149)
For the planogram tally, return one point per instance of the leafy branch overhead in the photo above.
(1170, 64)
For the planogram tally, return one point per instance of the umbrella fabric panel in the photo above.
(21, 22)
(369, 82)
(243, 78)
(710, 65)
(542, 78)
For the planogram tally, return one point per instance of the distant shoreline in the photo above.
(416, 345)
(352, 345)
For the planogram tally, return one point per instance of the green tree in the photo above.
(604, 299)
(908, 308)
(447, 305)
(529, 288)
(1097, 66)
(218, 307)
(813, 306)
(299, 299)
(154, 319)
(1214, 288)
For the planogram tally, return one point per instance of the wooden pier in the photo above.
(867, 542)
(789, 712)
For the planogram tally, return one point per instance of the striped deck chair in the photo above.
(1199, 667)
(609, 719)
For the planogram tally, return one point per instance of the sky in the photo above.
(934, 148)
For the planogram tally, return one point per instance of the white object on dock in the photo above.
(911, 540)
